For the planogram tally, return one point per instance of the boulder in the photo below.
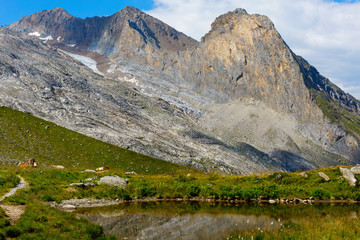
(57, 166)
(349, 176)
(303, 174)
(76, 184)
(278, 178)
(113, 181)
(324, 176)
(89, 170)
(87, 180)
(356, 169)
(69, 207)
(89, 184)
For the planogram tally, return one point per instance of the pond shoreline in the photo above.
(72, 204)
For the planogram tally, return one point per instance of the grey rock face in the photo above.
(113, 181)
(314, 80)
(349, 176)
(356, 169)
(106, 35)
(38, 79)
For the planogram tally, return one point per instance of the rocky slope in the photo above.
(241, 92)
(39, 79)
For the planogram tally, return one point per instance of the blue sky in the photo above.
(324, 32)
(12, 10)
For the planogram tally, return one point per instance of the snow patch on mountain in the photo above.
(37, 34)
(87, 61)
(48, 38)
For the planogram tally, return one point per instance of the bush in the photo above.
(194, 190)
(319, 194)
(126, 196)
(13, 232)
(48, 198)
(146, 191)
(4, 223)
(94, 231)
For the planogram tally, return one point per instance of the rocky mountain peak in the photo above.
(56, 15)
(129, 10)
(238, 20)
(58, 10)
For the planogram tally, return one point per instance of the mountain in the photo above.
(240, 100)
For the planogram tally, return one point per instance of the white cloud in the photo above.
(325, 33)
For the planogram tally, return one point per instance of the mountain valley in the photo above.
(238, 102)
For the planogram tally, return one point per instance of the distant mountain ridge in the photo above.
(103, 34)
(241, 84)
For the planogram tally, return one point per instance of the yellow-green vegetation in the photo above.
(54, 185)
(23, 136)
(42, 222)
(7, 180)
(348, 121)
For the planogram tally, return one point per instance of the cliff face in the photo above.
(241, 83)
(244, 56)
(315, 81)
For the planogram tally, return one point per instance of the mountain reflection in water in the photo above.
(164, 221)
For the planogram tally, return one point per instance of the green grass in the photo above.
(43, 222)
(47, 184)
(23, 136)
(7, 180)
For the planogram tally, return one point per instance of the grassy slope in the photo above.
(348, 121)
(23, 136)
(7, 180)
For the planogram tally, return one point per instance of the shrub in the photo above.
(13, 232)
(126, 196)
(146, 191)
(194, 190)
(181, 178)
(48, 198)
(319, 194)
(94, 231)
(4, 223)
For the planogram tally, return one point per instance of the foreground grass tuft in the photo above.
(42, 222)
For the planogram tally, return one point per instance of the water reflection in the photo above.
(181, 220)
